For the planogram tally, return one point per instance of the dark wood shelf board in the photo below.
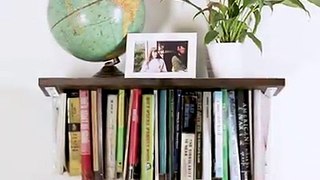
(60, 84)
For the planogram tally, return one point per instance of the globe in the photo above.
(95, 30)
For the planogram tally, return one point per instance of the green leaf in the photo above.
(315, 2)
(300, 5)
(218, 5)
(289, 3)
(271, 3)
(215, 17)
(201, 12)
(233, 11)
(210, 36)
(255, 40)
(257, 17)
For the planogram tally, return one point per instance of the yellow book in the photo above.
(74, 135)
(147, 137)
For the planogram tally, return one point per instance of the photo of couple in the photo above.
(160, 56)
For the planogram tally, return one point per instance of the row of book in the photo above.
(161, 134)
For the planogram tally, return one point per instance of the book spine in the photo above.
(101, 173)
(135, 135)
(171, 122)
(225, 147)
(86, 155)
(198, 134)
(177, 136)
(233, 139)
(163, 131)
(156, 136)
(244, 133)
(74, 134)
(94, 122)
(147, 137)
(120, 130)
(207, 164)
(218, 132)
(111, 134)
(187, 156)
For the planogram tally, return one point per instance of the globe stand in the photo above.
(109, 69)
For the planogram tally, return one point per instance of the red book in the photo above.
(86, 155)
(135, 133)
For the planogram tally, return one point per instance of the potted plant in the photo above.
(230, 22)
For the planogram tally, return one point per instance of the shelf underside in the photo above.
(58, 85)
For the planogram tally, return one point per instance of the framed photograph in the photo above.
(161, 55)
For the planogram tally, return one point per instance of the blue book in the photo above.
(163, 131)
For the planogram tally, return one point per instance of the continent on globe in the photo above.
(95, 30)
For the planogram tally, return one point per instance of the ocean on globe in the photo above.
(95, 30)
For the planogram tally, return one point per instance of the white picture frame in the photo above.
(175, 55)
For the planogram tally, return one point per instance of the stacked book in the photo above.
(160, 134)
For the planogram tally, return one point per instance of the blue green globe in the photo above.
(95, 30)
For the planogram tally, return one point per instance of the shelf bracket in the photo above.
(272, 91)
(52, 91)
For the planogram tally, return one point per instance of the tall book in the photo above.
(225, 136)
(120, 130)
(86, 155)
(134, 160)
(198, 135)
(177, 134)
(207, 163)
(171, 134)
(156, 135)
(163, 131)
(111, 136)
(218, 133)
(242, 104)
(147, 137)
(74, 163)
(233, 139)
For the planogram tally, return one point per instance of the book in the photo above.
(177, 134)
(199, 136)
(134, 160)
(74, 134)
(111, 135)
(163, 131)
(156, 135)
(243, 133)
(100, 174)
(187, 156)
(207, 163)
(218, 133)
(171, 134)
(120, 130)
(225, 144)
(86, 155)
(147, 137)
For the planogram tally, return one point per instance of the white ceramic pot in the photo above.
(226, 60)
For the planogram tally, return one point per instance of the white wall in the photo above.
(27, 52)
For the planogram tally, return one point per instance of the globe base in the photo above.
(109, 69)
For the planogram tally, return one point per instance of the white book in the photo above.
(218, 133)
(233, 139)
(187, 156)
(207, 139)
(111, 136)
(156, 136)
(60, 103)
(261, 116)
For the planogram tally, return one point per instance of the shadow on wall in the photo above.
(157, 15)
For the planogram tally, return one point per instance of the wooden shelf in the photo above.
(58, 85)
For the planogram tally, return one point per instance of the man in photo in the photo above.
(178, 60)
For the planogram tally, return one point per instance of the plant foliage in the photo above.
(234, 20)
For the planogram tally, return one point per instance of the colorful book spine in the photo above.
(86, 155)
(120, 130)
(74, 165)
(225, 146)
(163, 131)
(156, 135)
(177, 136)
(111, 135)
(134, 159)
(147, 137)
(218, 132)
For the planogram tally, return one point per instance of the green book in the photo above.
(225, 147)
(120, 131)
(147, 137)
